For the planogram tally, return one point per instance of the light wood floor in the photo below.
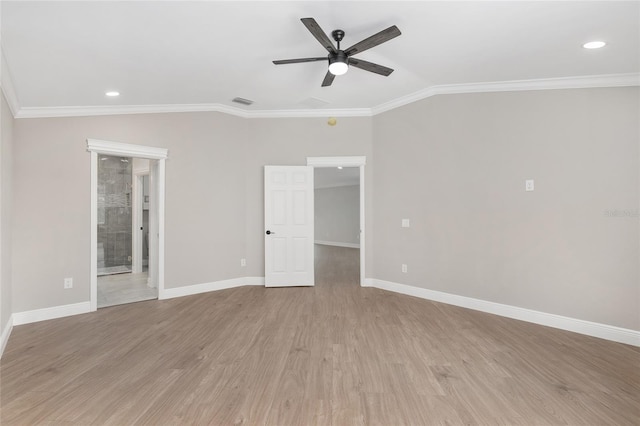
(333, 354)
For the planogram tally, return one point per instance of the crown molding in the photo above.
(85, 111)
(311, 113)
(580, 82)
(80, 111)
(6, 83)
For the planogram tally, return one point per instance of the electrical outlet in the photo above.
(68, 283)
(404, 268)
(528, 185)
(243, 262)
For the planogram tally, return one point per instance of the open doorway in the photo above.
(122, 232)
(337, 225)
(118, 199)
(339, 164)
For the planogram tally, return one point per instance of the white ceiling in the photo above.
(202, 54)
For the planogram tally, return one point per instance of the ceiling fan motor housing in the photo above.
(339, 56)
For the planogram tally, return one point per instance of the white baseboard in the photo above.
(4, 338)
(603, 331)
(337, 244)
(188, 290)
(36, 315)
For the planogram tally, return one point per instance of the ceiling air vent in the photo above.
(242, 101)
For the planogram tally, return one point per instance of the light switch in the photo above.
(528, 185)
(405, 223)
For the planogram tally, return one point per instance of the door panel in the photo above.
(288, 226)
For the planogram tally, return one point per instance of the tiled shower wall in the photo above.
(114, 211)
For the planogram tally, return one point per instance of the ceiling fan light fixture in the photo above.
(338, 64)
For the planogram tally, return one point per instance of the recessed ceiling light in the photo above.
(112, 94)
(594, 45)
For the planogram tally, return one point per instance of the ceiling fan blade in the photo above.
(320, 35)
(374, 40)
(370, 66)
(328, 79)
(297, 61)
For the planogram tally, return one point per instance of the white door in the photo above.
(288, 219)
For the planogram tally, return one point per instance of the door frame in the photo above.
(136, 223)
(359, 162)
(95, 147)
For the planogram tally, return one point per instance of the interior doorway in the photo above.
(117, 197)
(347, 171)
(337, 225)
(122, 230)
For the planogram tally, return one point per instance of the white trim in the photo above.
(93, 250)
(581, 82)
(575, 82)
(95, 146)
(126, 149)
(337, 244)
(160, 181)
(603, 331)
(87, 111)
(355, 161)
(6, 333)
(170, 293)
(27, 317)
(310, 113)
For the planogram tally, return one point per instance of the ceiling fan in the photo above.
(340, 60)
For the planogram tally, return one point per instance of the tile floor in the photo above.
(124, 288)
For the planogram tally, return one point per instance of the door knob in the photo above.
(269, 232)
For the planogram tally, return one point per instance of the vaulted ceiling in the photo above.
(59, 58)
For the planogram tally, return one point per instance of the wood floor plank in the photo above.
(334, 354)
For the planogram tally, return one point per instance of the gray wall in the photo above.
(288, 142)
(6, 194)
(337, 214)
(214, 193)
(456, 166)
(205, 211)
